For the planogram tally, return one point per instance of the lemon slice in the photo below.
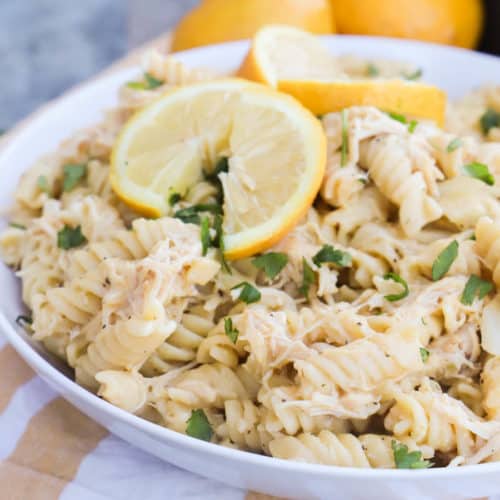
(297, 63)
(276, 151)
(408, 98)
(286, 53)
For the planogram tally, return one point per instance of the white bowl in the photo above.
(455, 70)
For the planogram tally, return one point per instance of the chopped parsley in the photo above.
(454, 145)
(230, 330)
(16, 225)
(174, 198)
(479, 171)
(24, 321)
(413, 76)
(271, 263)
(398, 117)
(308, 278)
(424, 354)
(73, 174)
(43, 185)
(331, 255)
(397, 279)
(405, 459)
(218, 242)
(345, 140)
(475, 287)
(372, 70)
(490, 119)
(198, 426)
(205, 235)
(444, 261)
(69, 237)
(412, 126)
(190, 214)
(149, 83)
(248, 294)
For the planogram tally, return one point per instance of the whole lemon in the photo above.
(215, 21)
(451, 22)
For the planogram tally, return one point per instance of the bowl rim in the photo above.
(64, 385)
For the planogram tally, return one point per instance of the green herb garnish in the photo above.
(190, 214)
(205, 235)
(479, 171)
(222, 166)
(43, 185)
(444, 261)
(271, 263)
(475, 287)
(149, 83)
(345, 140)
(69, 237)
(308, 278)
(218, 242)
(424, 354)
(372, 70)
(230, 330)
(490, 119)
(198, 426)
(412, 126)
(329, 254)
(398, 117)
(174, 198)
(73, 173)
(248, 294)
(16, 225)
(413, 76)
(454, 145)
(405, 459)
(396, 278)
(24, 321)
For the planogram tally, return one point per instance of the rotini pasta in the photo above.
(357, 339)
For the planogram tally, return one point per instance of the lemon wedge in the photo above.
(286, 53)
(275, 149)
(297, 63)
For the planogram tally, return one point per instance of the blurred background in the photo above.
(47, 46)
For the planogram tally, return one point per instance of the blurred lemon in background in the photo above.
(451, 22)
(215, 21)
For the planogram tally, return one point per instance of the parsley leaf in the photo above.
(372, 70)
(479, 171)
(43, 185)
(395, 297)
(413, 76)
(190, 214)
(230, 330)
(16, 225)
(454, 145)
(398, 117)
(490, 119)
(248, 294)
(412, 126)
(405, 459)
(329, 254)
(475, 287)
(205, 235)
(198, 426)
(345, 140)
(24, 321)
(73, 173)
(272, 263)
(69, 237)
(149, 83)
(444, 261)
(174, 198)
(424, 354)
(218, 242)
(308, 278)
